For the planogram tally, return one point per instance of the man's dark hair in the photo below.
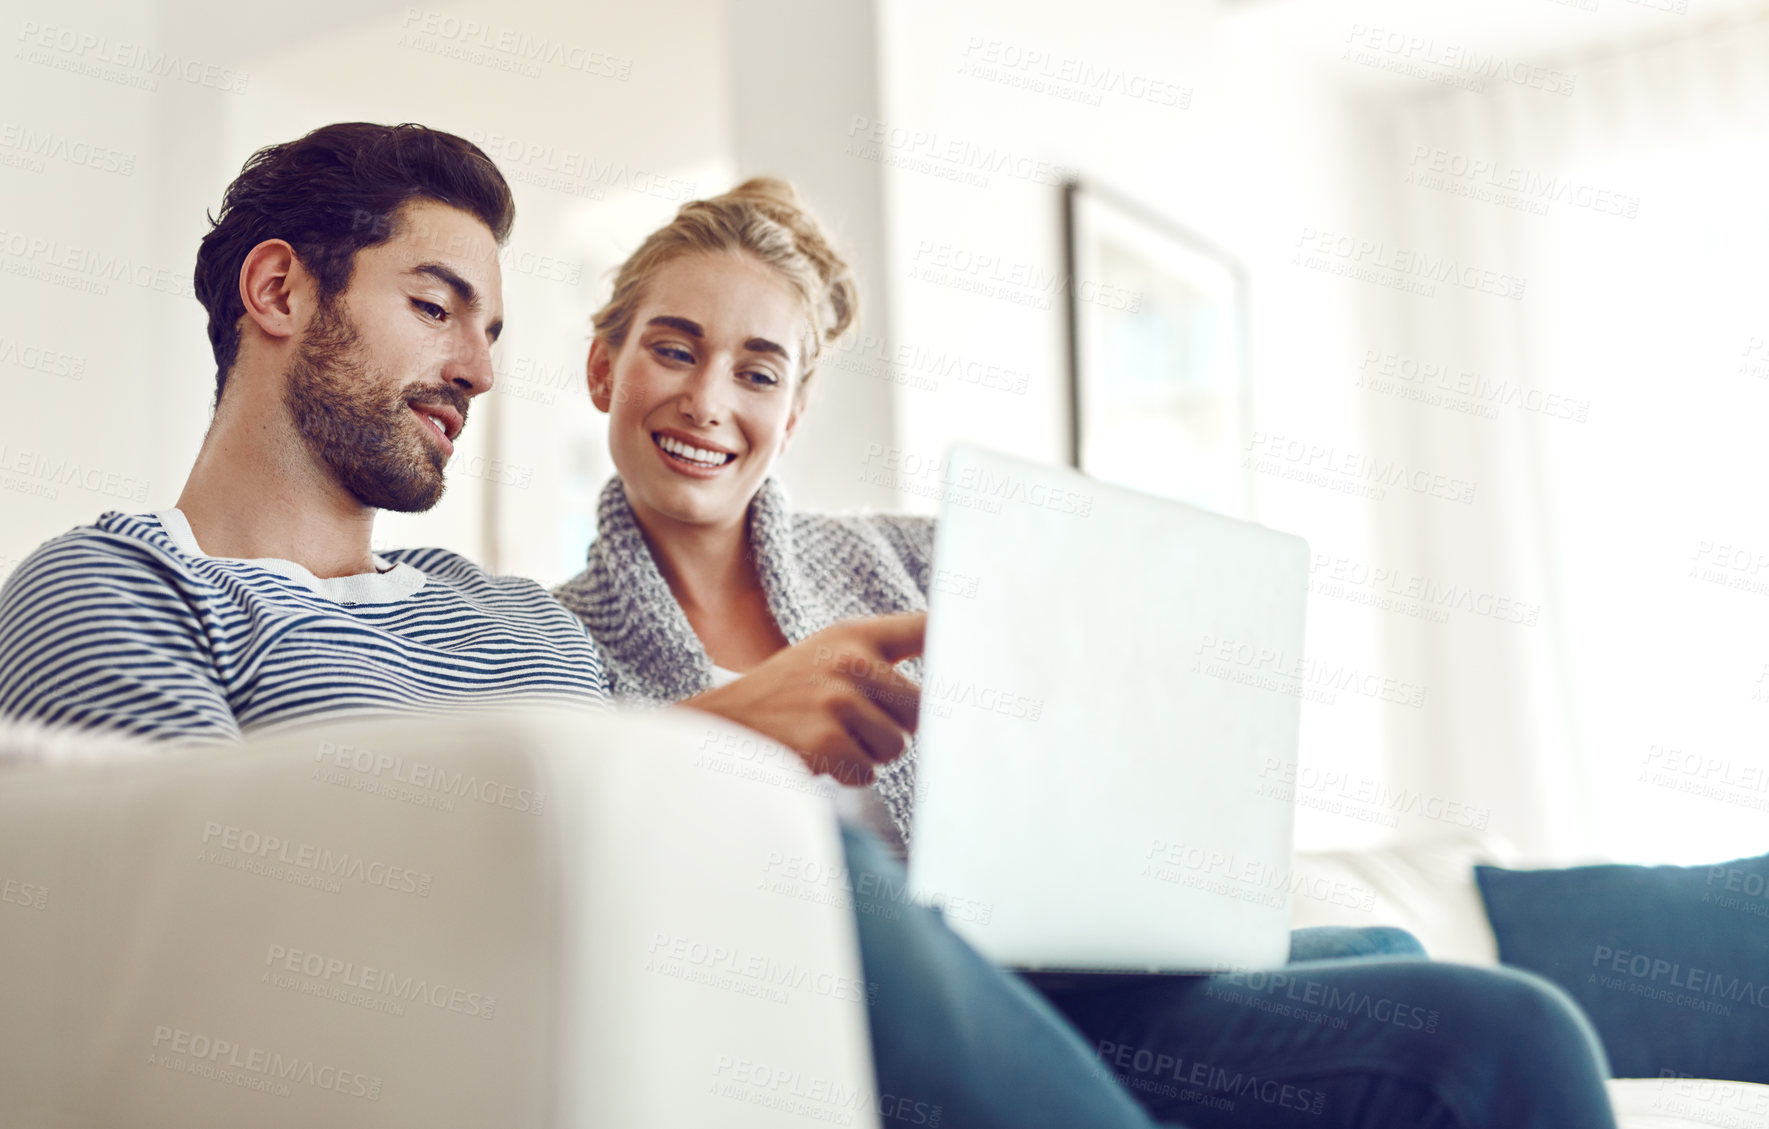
(329, 195)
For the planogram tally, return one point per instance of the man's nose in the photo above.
(470, 368)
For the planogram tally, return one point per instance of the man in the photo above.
(354, 294)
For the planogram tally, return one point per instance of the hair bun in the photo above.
(777, 199)
(763, 217)
(771, 193)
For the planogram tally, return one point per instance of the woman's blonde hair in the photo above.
(761, 217)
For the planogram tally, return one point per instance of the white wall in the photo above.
(1227, 140)
(598, 153)
(1262, 131)
(801, 71)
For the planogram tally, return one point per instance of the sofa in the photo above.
(545, 919)
(538, 919)
(1433, 888)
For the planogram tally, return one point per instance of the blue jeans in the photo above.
(1381, 1041)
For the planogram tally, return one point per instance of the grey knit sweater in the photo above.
(815, 570)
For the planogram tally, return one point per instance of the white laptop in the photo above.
(1110, 677)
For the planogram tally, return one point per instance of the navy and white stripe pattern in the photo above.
(815, 569)
(114, 626)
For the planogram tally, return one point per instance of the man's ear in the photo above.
(269, 280)
(599, 370)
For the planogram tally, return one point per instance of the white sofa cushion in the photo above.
(552, 919)
(1425, 887)
(1688, 1103)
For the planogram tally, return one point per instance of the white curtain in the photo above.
(1601, 683)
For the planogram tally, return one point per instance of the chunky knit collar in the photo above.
(645, 623)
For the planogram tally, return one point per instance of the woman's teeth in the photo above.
(690, 454)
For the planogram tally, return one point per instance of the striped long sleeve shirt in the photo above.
(126, 625)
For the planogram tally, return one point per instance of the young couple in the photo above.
(353, 291)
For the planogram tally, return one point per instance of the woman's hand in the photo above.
(835, 698)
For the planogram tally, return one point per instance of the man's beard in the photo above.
(358, 426)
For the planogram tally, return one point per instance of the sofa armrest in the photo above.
(547, 918)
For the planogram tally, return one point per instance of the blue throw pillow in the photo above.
(1670, 962)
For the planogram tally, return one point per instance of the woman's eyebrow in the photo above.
(694, 330)
(691, 328)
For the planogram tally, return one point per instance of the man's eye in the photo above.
(430, 309)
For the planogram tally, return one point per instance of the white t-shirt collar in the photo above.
(382, 587)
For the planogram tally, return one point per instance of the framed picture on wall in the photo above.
(1160, 391)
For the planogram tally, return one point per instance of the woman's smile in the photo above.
(696, 458)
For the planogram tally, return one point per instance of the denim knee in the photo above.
(1335, 942)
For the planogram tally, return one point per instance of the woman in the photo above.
(701, 574)
(703, 358)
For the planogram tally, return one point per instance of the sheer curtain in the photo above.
(1616, 419)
